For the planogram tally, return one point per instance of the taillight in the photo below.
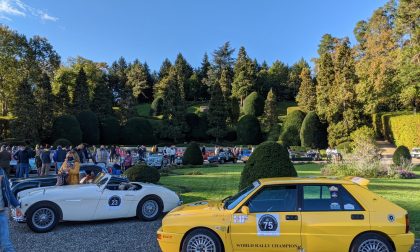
(407, 224)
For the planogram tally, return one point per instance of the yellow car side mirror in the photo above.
(245, 210)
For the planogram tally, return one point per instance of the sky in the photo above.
(104, 30)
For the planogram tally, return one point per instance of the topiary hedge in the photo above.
(248, 130)
(290, 134)
(312, 133)
(269, 159)
(156, 107)
(401, 155)
(192, 155)
(137, 131)
(110, 130)
(142, 173)
(198, 126)
(253, 105)
(90, 127)
(67, 126)
(62, 142)
(405, 130)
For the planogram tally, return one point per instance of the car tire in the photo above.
(222, 161)
(202, 240)
(43, 217)
(366, 241)
(150, 208)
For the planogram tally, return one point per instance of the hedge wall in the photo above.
(90, 127)
(110, 130)
(137, 131)
(400, 128)
(67, 127)
(405, 130)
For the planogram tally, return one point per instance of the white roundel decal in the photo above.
(268, 224)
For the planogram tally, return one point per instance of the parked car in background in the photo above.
(222, 158)
(246, 153)
(32, 166)
(157, 160)
(19, 184)
(290, 214)
(109, 197)
(415, 152)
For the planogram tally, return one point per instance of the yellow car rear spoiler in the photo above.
(358, 180)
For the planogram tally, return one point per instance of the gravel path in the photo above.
(118, 235)
(114, 235)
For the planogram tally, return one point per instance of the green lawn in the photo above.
(222, 181)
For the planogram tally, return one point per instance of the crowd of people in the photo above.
(45, 157)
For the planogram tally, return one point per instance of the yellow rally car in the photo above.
(290, 214)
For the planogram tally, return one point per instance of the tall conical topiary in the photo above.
(269, 160)
(290, 135)
(249, 130)
(192, 155)
(253, 104)
(312, 133)
(401, 155)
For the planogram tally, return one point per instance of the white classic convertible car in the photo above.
(109, 197)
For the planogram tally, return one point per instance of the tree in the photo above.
(183, 72)
(294, 77)
(306, 97)
(101, 103)
(325, 81)
(312, 133)
(117, 78)
(44, 56)
(174, 108)
(269, 160)
(137, 79)
(401, 156)
(44, 107)
(249, 130)
(217, 114)
(80, 99)
(62, 101)
(164, 69)
(344, 109)
(377, 89)
(270, 116)
(202, 74)
(327, 44)
(23, 109)
(245, 76)
(278, 78)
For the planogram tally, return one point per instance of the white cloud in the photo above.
(10, 8)
(7, 8)
(47, 17)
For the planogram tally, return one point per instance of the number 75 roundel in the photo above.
(268, 225)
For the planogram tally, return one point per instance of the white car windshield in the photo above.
(100, 180)
(233, 201)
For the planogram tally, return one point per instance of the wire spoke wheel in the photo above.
(201, 243)
(373, 245)
(43, 218)
(150, 208)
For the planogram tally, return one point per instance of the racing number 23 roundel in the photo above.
(268, 225)
(114, 201)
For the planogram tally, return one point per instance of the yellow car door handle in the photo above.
(292, 217)
(357, 217)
